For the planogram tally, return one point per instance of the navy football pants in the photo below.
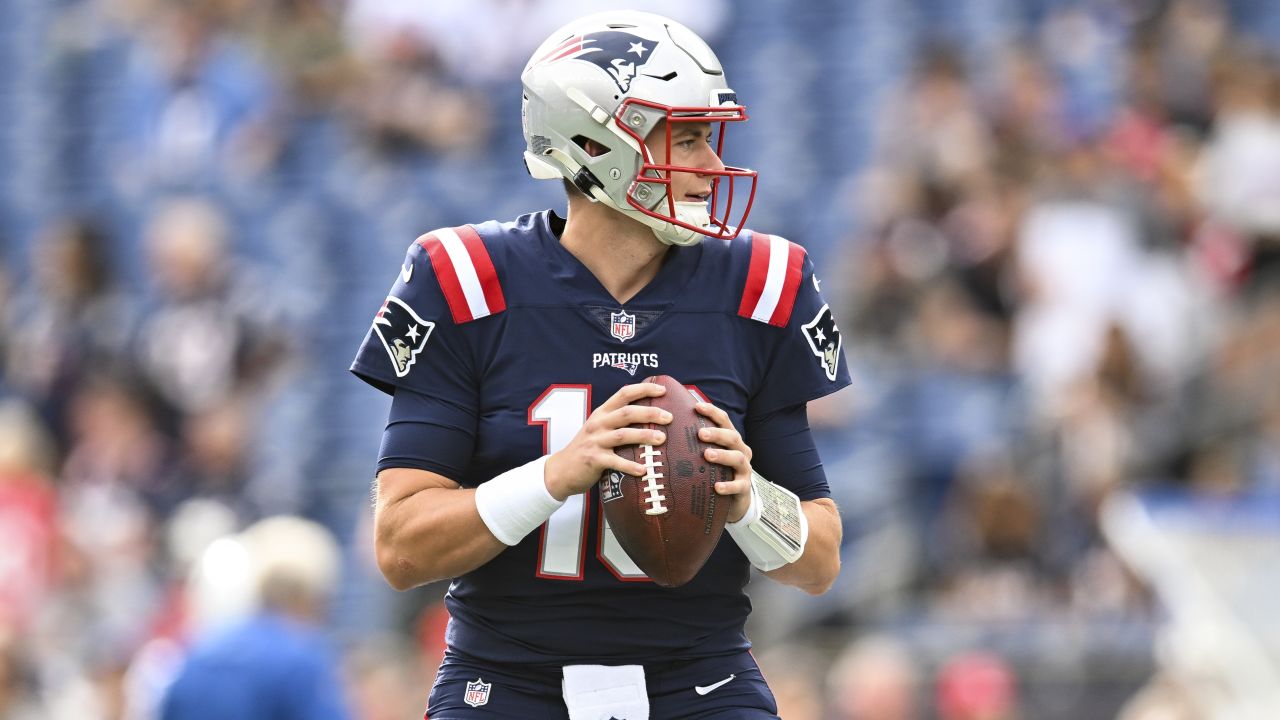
(522, 693)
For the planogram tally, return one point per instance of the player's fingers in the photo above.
(630, 393)
(605, 420)
(734, 487)
(735, 459)
(729, 439)
(716, 415)
(636, 415)
(632, 436)
(611, 461)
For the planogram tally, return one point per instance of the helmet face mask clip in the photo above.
(613, 78)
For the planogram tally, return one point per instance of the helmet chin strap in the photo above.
(692, 213)
(689, 212)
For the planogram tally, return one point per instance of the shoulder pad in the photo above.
(773, 280)
(465, 271)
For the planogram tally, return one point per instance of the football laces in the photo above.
(652, 475)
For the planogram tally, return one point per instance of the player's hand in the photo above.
(733, 452)
(590, 453)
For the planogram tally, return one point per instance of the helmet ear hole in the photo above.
(590, 147)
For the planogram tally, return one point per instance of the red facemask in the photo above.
(652, 173)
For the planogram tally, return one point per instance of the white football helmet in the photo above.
(612, 77)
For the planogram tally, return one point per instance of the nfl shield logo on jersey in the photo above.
(622, 325)
(477, 692)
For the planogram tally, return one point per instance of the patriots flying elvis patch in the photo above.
(402, 332)
(824, 340)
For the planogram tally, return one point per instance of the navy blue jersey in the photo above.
(509, 343)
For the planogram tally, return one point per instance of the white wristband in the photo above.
(516, 502)
(774, 530)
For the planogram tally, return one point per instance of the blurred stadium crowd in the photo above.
(1051, 228)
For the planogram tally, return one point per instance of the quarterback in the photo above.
(513, 352)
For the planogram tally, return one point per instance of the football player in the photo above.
(513, 350)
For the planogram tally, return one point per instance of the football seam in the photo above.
(652, 487)
(666, 556)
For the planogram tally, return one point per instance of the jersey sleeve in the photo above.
(426, 433)
(422, 337)
(413, 342)
(805, 349)
(784, 452)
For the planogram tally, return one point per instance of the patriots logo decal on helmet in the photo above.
(402, 332)
(618, 53)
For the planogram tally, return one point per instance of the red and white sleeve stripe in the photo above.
(465, 272)
(773, 280)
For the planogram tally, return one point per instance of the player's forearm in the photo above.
(433, 534)
(817, 568)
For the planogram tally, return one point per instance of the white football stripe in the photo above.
(466, 271)
(773, 281)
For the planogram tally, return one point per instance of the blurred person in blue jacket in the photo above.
(275, 662)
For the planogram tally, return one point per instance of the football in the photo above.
(669, 520)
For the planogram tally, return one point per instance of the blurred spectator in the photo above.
(1230, 402)
(74, 320)
(19, 699)
(1162, 699)
(1217, 468)
(992, 553)
(28, 522)
(977, 686)
(1027, 113)
(982, 227)
(1239, 174)
(196, 108)
(406, 101)
(430, 627)
(190, 530)
(963, 398)
(387, 681)
(795, 676)
(1192, 34)
(212, 459)
(303, 40)
(1077, 252)
(116, 446)
(1083, 45)
(1100, 446)
(935, 131)
(1265, 450)
(110, 485)
(90, 629)
(210, 332)
(875, 678)
(275, 663)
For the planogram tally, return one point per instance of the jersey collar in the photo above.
(582, 286)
